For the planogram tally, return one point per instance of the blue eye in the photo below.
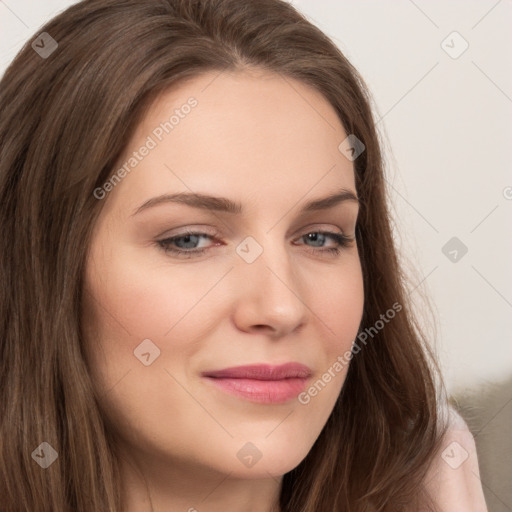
(185, 244)
(341, 240)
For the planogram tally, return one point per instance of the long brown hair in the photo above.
(65, 120)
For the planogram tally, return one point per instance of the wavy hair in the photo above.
(65, 120)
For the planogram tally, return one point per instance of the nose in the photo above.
(270, 296)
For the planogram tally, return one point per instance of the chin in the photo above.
(269, 461)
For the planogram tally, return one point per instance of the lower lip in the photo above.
(261, 391)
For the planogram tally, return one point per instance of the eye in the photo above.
(319, 237)
(186, 244)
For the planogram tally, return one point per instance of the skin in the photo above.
(255, 139)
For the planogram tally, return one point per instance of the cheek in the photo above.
(145, 299)
(138, 309)
(338, 300)
(129, 300)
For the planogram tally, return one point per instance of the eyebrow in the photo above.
(222, 204)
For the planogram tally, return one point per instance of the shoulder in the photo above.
(453, 479)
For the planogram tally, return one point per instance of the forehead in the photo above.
(256, 133)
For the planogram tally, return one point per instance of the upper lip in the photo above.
(262, 372)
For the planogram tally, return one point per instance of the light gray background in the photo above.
(447, 128)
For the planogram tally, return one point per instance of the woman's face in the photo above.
(259, 286)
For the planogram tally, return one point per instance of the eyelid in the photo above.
(187, 230)
(318, 226)
(214, 233)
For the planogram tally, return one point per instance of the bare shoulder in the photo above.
(453, 479)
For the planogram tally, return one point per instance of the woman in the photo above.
(201, 303)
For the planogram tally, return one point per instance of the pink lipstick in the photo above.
(262, 383)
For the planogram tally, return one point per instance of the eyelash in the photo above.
(341, 240)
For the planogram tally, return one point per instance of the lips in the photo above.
(261, 383)
(262, 372)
